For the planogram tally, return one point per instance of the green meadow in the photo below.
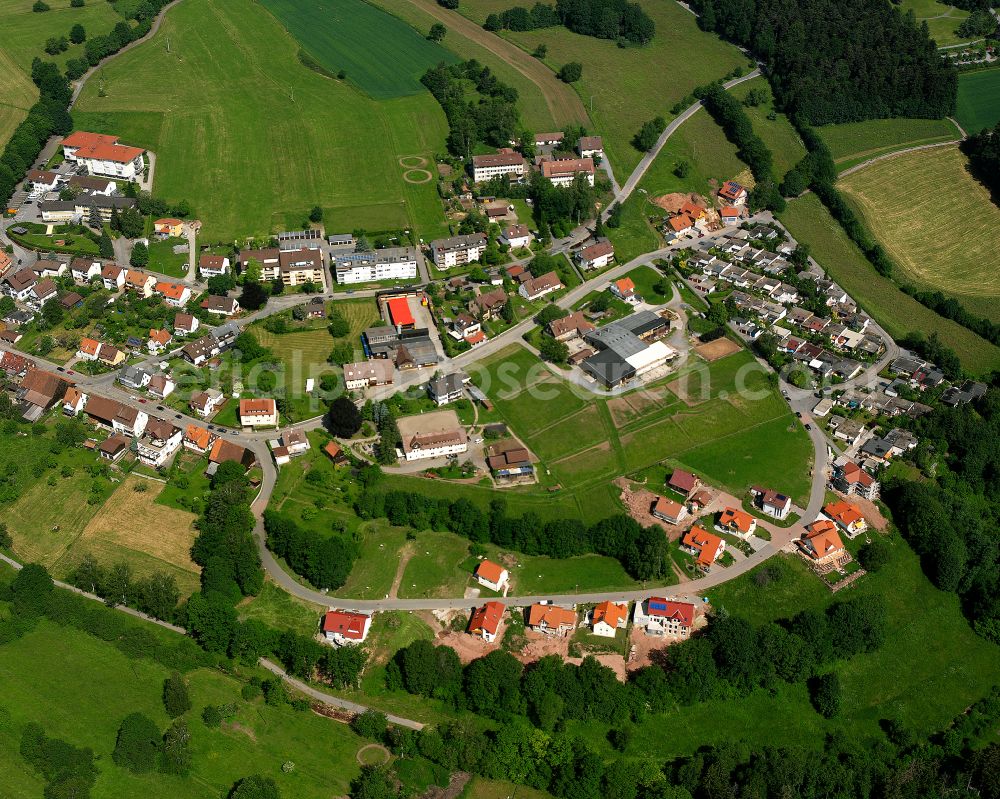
(253, 139)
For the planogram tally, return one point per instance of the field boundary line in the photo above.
(918, 148)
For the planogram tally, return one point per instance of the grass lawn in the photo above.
(282, 611)
(978, 100)
(303, 353)
(646, 278)
(942, 19)
(52, 663)
(941, 231)
(478, 788)
(630, 86)
(809, 222)
(162, 258)
(778, 134)
(634, 236)
(329, 145)
(25, 31)
(855, 142)
(433, 570)
(330, 32)
(710, 156)
(535, 575)
(17, 95)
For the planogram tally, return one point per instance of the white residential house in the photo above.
(213, 265)
(597, 255)
(84, 269)
(159, 441)
(205, 403)
(493, 576)
(608, 618)
(161, 386)
(258, 412)
(536, 287)
(772, 503)
(660, 616)
(113, 277)
(516, 237)
(564, 171)
(590, 147)
(346, 628)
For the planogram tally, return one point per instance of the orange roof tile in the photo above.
(705, 543)
(741, 520)
(490, 571)
(844, 512)
(610, 613)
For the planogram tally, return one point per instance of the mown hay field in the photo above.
(253, 139)
(935, 220)
(809, 222)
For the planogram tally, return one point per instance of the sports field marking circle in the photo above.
(372, 761)
(421, 176)
(412, 161)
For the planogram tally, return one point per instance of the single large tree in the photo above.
(137, 745)
(344, 418)
(176, 700)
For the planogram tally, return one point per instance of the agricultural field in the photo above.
(623, 88)
(778, 134)
(809, 222)
(941, 231)
(853, 143)
(978, 100)
(52, 663)
(133, 527)
(17, 95)
(710, 156)
(331, 32)
(942, 19)
(368, 164)
(544, 103)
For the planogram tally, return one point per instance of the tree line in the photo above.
(983, 150)
(818, 171)
(492, 120)
(617, 20)
(728, 112)
(951, 519)
(642, 551)
(325, 561)
(534, 707)
(841, 61)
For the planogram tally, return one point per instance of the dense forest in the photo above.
(603, 19)
(952, 520)
(983, 150)
(839, 61)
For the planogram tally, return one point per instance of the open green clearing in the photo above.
(978, 100)
(632, 85)
(303, 351)
(634, 236)
(700, 143)
(164, 260)
(26, 31)
(80, 688)
(942, 19)
(253, 139)
(808, 221)
(855, 142)
(333, 32)
(778, 134)
(941, 231)
(733, 437)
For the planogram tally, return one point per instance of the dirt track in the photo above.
(563, 103)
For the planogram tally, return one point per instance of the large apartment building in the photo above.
(504, 162)
(392, 263)
(103, 155)
(457, 250)
(293, 267)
